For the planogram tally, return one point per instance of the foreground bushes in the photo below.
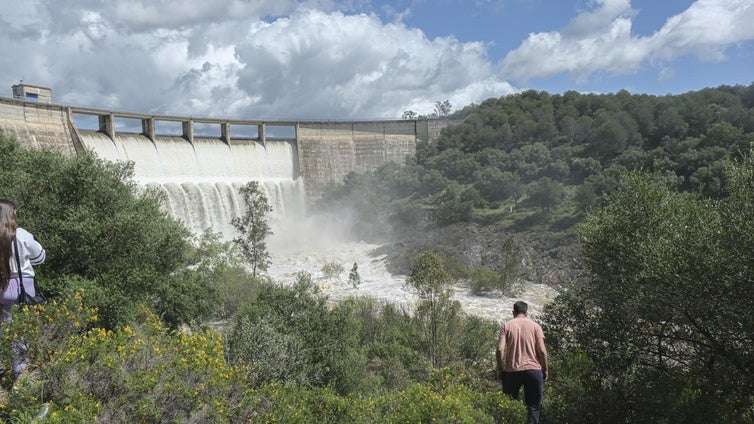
(150, 373)
(662, 331)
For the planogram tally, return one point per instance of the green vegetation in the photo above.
(127, 337)
(332, 270)
(253, 228)
(662, 331)
(104, 234)
(436, 311)
(148, 373)
(353, 276)
(535, 161)
(658, 328)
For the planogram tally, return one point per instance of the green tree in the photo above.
(253, 228)
(443, 108)
(609, 139)
(667, 307)
(290, 335)
(353, 277)
(492, 183)
(585, 197)
(436, 310)
(517, 190)
(450, 206)
(546, 193)
(409, 115)
(220, 262)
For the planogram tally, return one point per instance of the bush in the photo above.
(149, 373)
(96, 224)
(332, 270)
(448, 401)
(134, 374)
(220, 266)
(311, 343)
(43, 329)
(443, 402)
(665, 322)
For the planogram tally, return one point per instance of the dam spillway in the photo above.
(200, 181)
(200, 176)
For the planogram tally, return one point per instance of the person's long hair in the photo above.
(7, 233)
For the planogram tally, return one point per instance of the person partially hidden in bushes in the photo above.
(30, 253)
(522, 359)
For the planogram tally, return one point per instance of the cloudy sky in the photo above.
(364, 59)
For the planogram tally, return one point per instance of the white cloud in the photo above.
(705, 29)
(322, 65)
(145, 14)
(165, 56)
(602, 40)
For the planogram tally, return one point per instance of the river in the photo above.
(309, 247)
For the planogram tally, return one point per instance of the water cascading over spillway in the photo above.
(201, 180)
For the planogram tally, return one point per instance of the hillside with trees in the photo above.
(526, 169)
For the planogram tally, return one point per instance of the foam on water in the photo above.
(318, 245)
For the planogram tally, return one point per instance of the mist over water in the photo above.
(200, 182)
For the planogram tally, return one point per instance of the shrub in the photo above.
(43, 329)
(332, 270)
(145, 373)
(440, 402)
(319, 346)
(95, 223)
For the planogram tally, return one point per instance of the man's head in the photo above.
(520, 308)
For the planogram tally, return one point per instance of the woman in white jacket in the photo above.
(30, 253)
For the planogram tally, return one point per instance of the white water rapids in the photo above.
(378, 283)
(200, 181)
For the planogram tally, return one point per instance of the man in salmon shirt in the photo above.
(521, 343)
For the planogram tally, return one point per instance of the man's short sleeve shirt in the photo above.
(521, 335)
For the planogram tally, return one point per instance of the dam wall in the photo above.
(328, 151)
(38, 125)
(323, 151)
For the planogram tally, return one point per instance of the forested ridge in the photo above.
(653, 195)
(526, 168)
(540, 152)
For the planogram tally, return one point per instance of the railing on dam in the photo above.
(424, 129)
(107, 123)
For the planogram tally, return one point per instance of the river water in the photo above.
(309, 247)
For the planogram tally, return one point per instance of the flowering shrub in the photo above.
(144, 374)
(41, 329)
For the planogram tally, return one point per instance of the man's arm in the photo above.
(500, 355)
(542, 356)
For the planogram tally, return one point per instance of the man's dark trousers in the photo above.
(533, 382)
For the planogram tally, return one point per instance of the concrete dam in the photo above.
(199, 163)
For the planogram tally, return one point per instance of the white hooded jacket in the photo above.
(30, 251)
